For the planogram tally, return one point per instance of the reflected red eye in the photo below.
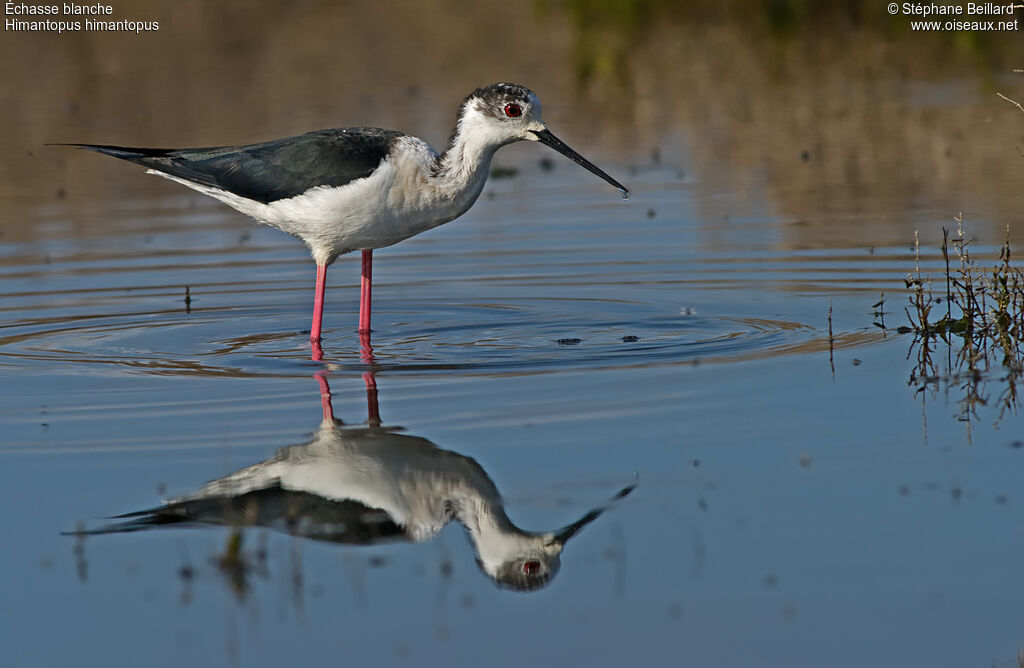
(513, 110)
(529, 567)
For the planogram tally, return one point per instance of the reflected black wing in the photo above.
(295, 513)
(273, 170)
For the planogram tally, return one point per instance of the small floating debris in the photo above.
(630, 339)
(569, 341)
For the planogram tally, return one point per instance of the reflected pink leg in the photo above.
(318, 303)
(365, 349)
(364, 293)
(372, 410)
(325, 396)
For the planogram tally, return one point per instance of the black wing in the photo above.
(273, 170)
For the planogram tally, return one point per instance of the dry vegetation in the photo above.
(970, 333)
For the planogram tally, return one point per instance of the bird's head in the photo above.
(503, 113)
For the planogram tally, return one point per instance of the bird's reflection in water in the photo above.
(369, 484)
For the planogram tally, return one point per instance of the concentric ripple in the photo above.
(526, 334)
(505, 295)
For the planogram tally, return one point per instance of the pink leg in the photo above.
(318, 302)
(364, 293)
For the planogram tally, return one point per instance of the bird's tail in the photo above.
(176, 162)
(142, 156)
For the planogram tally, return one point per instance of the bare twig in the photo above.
(1013, 102)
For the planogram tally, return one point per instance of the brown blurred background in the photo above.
(834, 117)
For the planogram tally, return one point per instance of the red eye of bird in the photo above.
(531, 567)
(513, 110)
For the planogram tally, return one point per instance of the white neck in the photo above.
(465, 164)
(494, 536)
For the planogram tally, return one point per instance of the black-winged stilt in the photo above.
(360, 188)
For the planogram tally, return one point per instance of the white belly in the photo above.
(399, 200)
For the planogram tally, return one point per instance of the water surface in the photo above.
(711, 341)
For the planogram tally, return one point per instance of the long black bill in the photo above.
(568, 532)
(545, 137)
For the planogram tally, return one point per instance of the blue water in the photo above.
(797, 503)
